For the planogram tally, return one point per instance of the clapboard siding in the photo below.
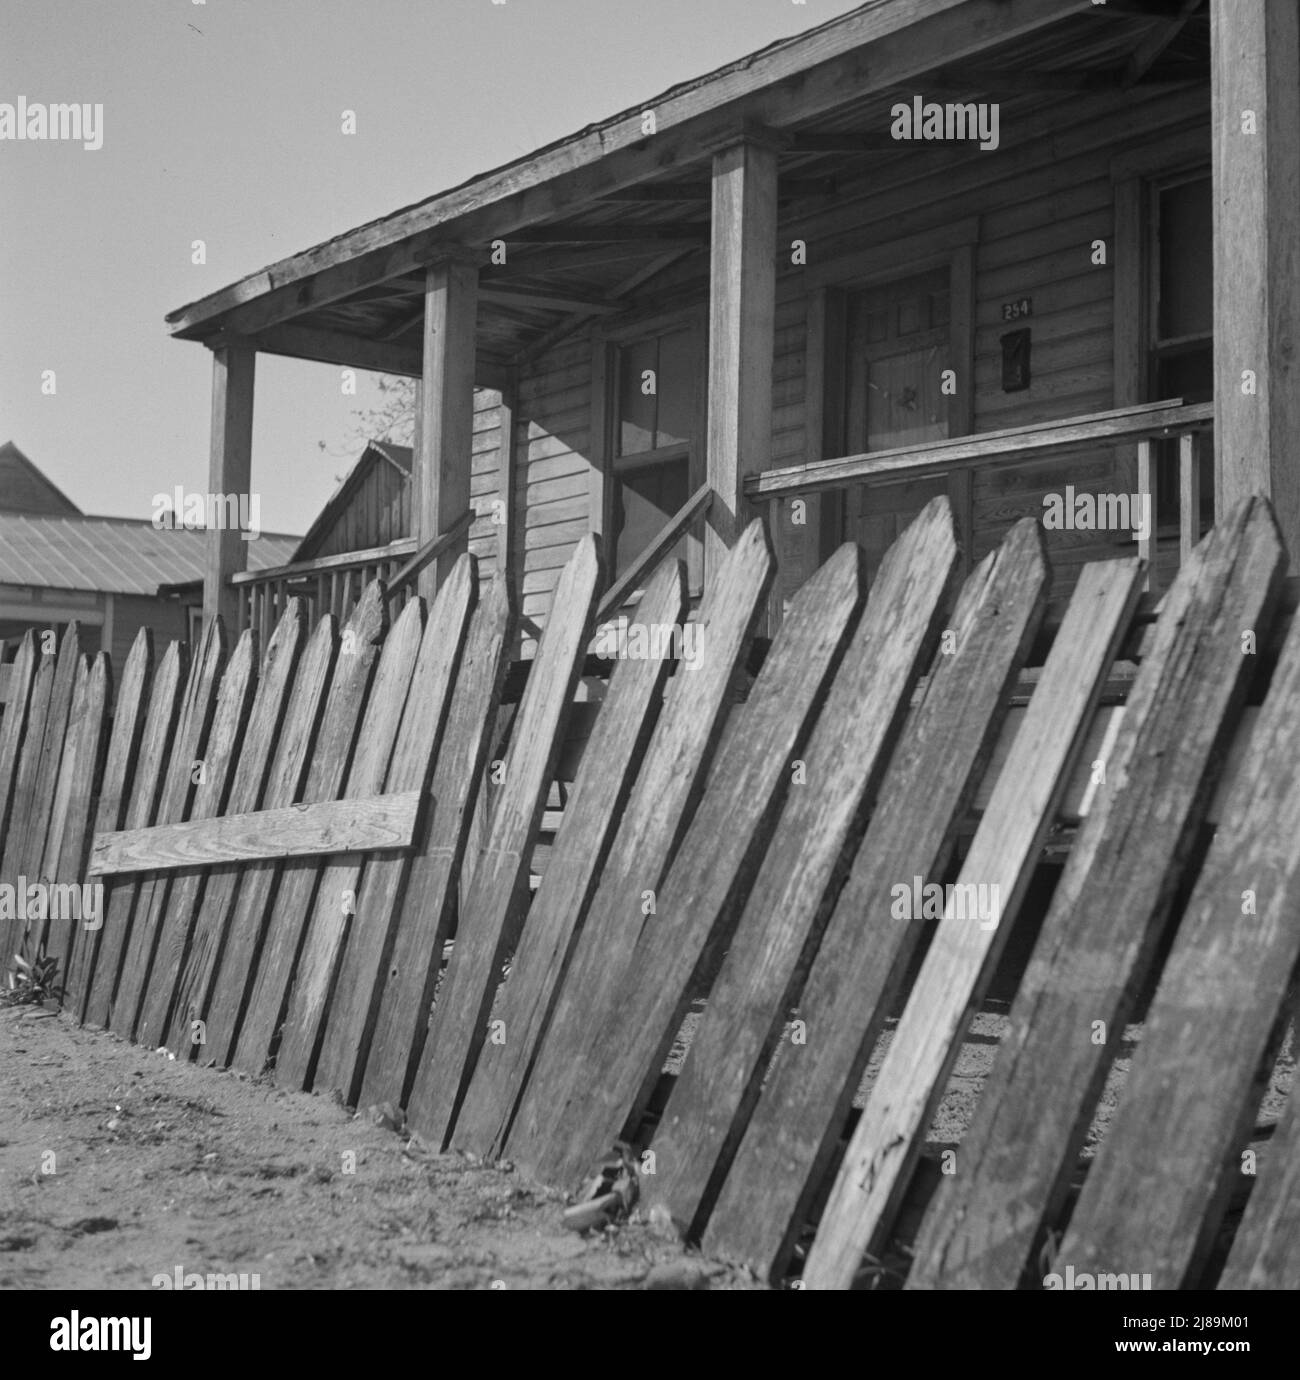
(1042, 200)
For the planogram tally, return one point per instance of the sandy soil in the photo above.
(117, 1164)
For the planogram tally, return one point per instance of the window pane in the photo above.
(1186, 261)
(636, 410)
(676, 384)
(647, 498)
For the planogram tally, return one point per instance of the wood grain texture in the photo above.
(251, 945)
(261, 740)
(177, 791)
(294, 831)
(329, 760)
(75, 801)
(887, 1141)
(350, 1019)
(124, 748)
(428, 907)
(13, 728)
(591, 814)
(38, 778)
(1155, 1194)
(221, 753)
(659, 810)
(1106, 915)
(335, 897)
(164, 699)
(493, 913)
(707, 889)
(783, 1153)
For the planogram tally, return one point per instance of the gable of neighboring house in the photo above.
(24, 489)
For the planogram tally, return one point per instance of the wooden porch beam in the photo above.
(230, 467)
(445, 415)
(837, 141)
(623, 290)
(742, 317)
(692, 232)
(788, 189)
(1255, 132)
(332, 347)
(550, 301)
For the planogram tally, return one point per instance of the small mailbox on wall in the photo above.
(1015, 361)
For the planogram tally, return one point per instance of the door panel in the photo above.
(898, 348)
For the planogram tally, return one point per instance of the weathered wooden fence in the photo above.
(345, 859)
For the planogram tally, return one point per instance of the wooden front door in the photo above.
(898, 348)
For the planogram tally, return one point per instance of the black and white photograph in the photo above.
(649, 645)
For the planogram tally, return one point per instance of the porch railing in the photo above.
(1142, 426)
(328, 584)
(333, 584)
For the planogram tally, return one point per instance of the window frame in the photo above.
(608, 339)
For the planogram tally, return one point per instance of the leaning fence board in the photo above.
(887, 1141)
(26, 768)
(591, 815)
(251, 930)
(336, 894)
(74, 805)
(428, 905)
(1154, 1197)
(177, 791)
(1106, 915)
(46, 869)
(707, 888)
(37, 777)
(359, 653)
(13, 725)
(147, 772)
(659, 810)
(490, 920)
(1265, 1252)
(350, 1019)
(111, 801)
(220, 757)
(70, 664)
(784, 1152)
(274, 683)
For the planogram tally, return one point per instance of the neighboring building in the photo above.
(24, 489)
(56, 565)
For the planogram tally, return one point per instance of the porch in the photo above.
(525, 302)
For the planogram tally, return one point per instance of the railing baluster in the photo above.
(1149, 487)
(1189, 495)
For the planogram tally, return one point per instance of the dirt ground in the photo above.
(117, 1164)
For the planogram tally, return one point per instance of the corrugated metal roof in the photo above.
(113, 555)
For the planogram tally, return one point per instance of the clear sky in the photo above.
(222, 122)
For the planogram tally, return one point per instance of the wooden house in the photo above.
(1040, 255)
(58, 564)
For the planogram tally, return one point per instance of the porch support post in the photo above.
(445, 419)
(742, 311)
(230, 464)
(1255, 50)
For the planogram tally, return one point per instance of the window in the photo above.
(657, 391)
(1180, 354)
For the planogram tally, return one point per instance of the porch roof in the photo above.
(596, 219)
